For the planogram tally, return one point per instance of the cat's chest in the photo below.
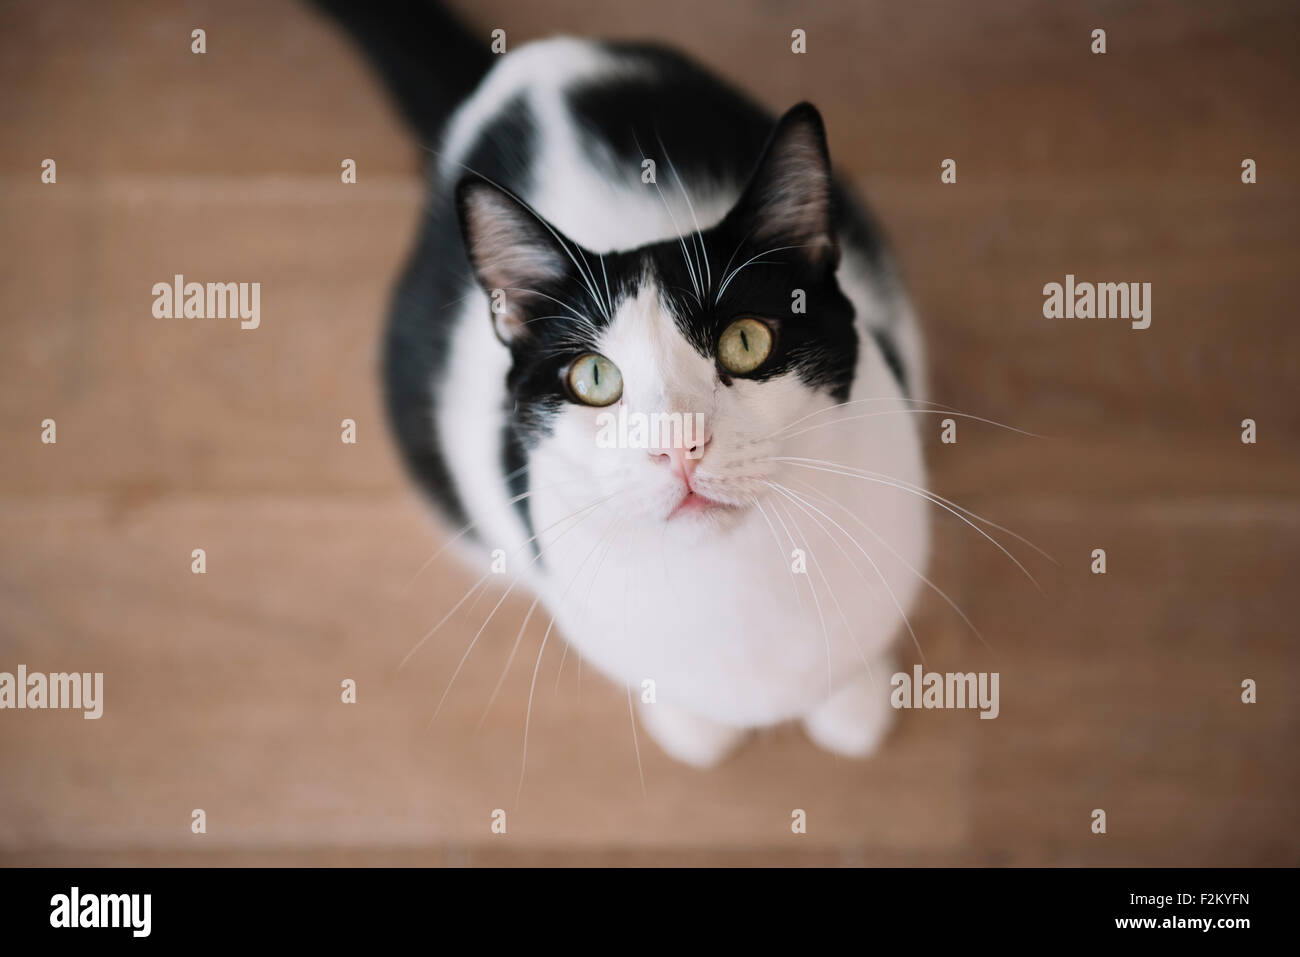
(741, 640)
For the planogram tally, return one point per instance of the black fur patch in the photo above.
(424, 310)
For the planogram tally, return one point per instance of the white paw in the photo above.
(855, 719)
(699, 742)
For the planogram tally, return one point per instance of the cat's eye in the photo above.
(744, 346)
(594, 380)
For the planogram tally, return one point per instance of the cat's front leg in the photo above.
(857, 716)
(691, 739)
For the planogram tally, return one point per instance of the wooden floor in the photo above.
(1119, 692)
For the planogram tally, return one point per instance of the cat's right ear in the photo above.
(515, 254)
(789, 202)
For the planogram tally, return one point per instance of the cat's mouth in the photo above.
(695, 503)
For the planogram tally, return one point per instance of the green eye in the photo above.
(744, 346)
(594, 380)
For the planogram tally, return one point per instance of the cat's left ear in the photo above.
(789, 201)
(516, 255)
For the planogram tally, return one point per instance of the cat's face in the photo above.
(665, 375)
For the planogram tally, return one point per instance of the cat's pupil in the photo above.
(744, 340)
(595, 371)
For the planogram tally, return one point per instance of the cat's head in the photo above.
(666, 374)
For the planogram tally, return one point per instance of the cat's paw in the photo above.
(699, 742)
(855, 719)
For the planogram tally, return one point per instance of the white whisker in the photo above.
(872, 561)
(699, 235)
(429, 634)
(851, 472)
(727, 281)
(519, 637)
(528, 715)
(826, 638)
(947, 412)
(939, 591)
(779, 549)
(502, 599)
(472, 525)
(848, 628)
(686, 257)
(845, 405)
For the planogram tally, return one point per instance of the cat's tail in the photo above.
(428, 59)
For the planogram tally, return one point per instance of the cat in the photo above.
(612, 228)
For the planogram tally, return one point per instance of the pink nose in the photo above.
(682, 461)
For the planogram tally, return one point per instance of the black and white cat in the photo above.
(759, 574)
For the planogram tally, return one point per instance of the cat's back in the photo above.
(616, 144)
